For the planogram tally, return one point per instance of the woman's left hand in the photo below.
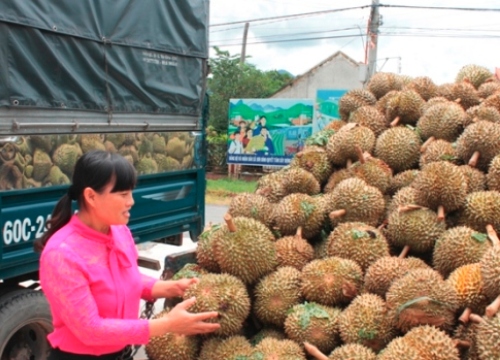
(172, 288)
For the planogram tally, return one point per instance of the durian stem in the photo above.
(337, 213)
(383, 225)
(299, 154)
(464, 318)
(463, 344)
(476, 318)
(458, 101)
(441, 213)
(299, 232)
(359, 153)
(309, 164)
(348, 163)
(426, 143)
(395, 122)
(492, 235)
(314, 351)
(229, 221)
(409, 207)
(404, 252)
(493, 308)
(474, 159)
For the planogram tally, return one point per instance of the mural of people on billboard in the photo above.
(273, 130)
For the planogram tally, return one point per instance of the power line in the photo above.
(289, 40)
(437, 8)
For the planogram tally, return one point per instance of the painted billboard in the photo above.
(267, 132)
(326, 108)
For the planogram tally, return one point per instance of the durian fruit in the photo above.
(404, 108)
(352, 352)
(398, 349)
(172, 346)
(176, 148)
(299, 210)
(294, 251)
(476, 179)
(41, 165)
(336, 177)
(354, 200)
(145, 147)
(251, 206)
(493, 100)
(464, 337)
(298, 180)
(488, 338)
(267, 332)
(490, 272)
(189, 271)
(159, 144)
(480, 112)
(382, 273)
(370, 117)
(480, 210)
(239, 240)
(399, 147)
(275, 294)
(210, 345)
(205, 256)
(354, 99)
(272, 186)
(23, 145)
(467, 282)
(422, 297)
(459, 246)
(465, 94)
(146, 165)
(116, 138)
(65, 157)
(438, 150)
(274, 349)
(225, 294)
(320, 139)
(166, 163)
(335, 125)
(381, 103)
(359, 242)
(441, 186)
(478, 144)
(401, 180)
(129, 150)
(89, 142)
(331, 281)
(314, 323)
(475, 74)
(44, 143)
(383, 82)
(442, 121)
(415, 228)
(405, 196)
(57, 177)
(493, 176)
(230, 348)
(12, 178)
(365, 321)
(488, 88)
(373, 171)
(424, 86)
(343, 147)
(315, 160)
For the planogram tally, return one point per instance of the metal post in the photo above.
(372, 40)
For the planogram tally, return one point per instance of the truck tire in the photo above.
(25, 323)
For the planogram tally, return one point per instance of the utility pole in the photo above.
(244, 47)
(372, 40)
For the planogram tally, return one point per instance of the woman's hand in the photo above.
(172, 288)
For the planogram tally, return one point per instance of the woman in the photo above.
(89, 273)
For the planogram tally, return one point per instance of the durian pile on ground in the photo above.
(46, 160)
(377, 242)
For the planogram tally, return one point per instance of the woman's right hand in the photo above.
(180, 321)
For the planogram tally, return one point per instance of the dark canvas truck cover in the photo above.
(128, 69)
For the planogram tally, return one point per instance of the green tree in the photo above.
(232, 79)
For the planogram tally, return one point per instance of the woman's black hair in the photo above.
(94, 170)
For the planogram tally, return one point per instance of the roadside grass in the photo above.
(221, 191)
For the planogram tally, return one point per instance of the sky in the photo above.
(414, 42)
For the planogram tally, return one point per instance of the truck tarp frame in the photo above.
(93, 66)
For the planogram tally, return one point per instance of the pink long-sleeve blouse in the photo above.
(94, 287)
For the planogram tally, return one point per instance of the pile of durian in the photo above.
(379, 241)
(34, 161)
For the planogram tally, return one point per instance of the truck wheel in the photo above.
(25, 323)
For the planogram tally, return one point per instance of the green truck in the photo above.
(122, 75)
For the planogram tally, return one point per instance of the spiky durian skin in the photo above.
(424, 86)
(293, 251)
(331, 281)
(405, 196)
(381, 103)
(225, 294)
(480, 112)
(406, 105)
(493, 100)
(352, 352)
(418, 229)
(488, 338)
(275, 294)
(268, 332)
(41, 164)
(271, 349)
(438, 150)
(493, 176)
(476, 74)
(205, 250)
(365, 321)
(458, 246)
(272, 186)
(488, 88)
(189, 271)
(370, 117)
(398, 349)
(374, 172)
(382, 273)
(361, 202)
(65, 156)
(441, 184)
(401, 180)
(172, 346)
(442, 121)
(251, 240)
(481, 209)
(399, 147)
(314, 323)
(342, 145)
(230, 348)
(468, 284)
(315, 160)
(335, 125)
(298, 180)
(422, 297)
(358, 242)
(467, 332)
(481, 136)
(466, 94)
(383, 82)
(490, 272)
(432, 343)
(251, 206)
(336, 178)
(476, 179)
(354, 99)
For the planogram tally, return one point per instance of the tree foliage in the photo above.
(232, 79)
